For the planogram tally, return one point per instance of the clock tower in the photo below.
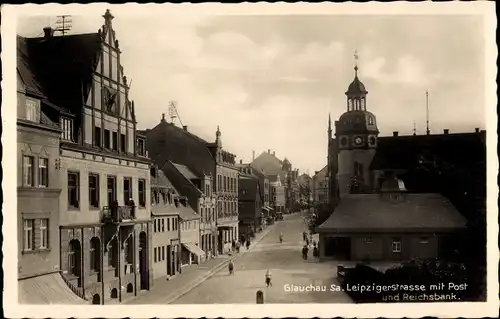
(356, 133)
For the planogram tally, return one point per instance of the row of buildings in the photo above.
(397, 197)
(104, 208)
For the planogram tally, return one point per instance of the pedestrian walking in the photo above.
(238, 245)
(281, 237)
(248, 244)
(304, 235)
(315, 251)
(305, 250)
(233, 244)
(231, 268)
(268, 278)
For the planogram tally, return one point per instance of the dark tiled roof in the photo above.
(24, 69)
(64, 66)
(187, 213)
(268, 163)
(185, 171)
(161, 181)
(250, 187)
(404, 152)
(370, 213)
(169, 142)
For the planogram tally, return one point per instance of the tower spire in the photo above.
(356, 57)
(414, 128)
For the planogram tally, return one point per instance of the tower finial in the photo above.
(414, 128)
(356, 57)
(428, 131)
(329, 123)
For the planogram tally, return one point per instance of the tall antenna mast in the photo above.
(427, 111)
(63, 24)
(172, 112)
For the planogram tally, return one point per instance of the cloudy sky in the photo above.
(270, 81)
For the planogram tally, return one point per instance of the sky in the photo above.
(271, 81)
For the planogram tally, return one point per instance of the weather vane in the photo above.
(356, 57)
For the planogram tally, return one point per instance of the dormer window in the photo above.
(32, 110)
(67, 129)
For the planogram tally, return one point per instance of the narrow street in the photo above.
(287, 268)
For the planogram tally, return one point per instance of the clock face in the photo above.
(358, 140)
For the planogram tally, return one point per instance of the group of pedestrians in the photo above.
(305, 250)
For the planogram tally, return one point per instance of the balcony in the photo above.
(118, 214)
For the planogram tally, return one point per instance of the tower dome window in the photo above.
(370, 120)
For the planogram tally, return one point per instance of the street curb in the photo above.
(199, 280)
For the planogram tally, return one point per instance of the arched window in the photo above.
(114, 293)
(370, 120)
(113, 253)
(95, 254)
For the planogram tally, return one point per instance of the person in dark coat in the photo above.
(305, 250)
(315, 251)
(248, 244)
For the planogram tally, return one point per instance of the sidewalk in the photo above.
(191, 276)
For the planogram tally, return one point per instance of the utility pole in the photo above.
(427, 111)
(63, 24)
(172, 111)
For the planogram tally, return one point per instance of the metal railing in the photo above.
(118, 214)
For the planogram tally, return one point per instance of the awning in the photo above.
(194, 249)
(265, 208)
(47, 289)
(269, 208)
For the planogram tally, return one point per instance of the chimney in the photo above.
(163, 117)
(253, 156)
(477, 129)
(395, 133)
(446, 131)
(185, 128)
(241, 161)
(268, 151)
(48, 31)
(274, 153)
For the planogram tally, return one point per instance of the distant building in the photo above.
(384, 191)
(190, 234)
(105, 235)
(250, 203)
(202, 159)
(38, 191)
(166, 231)
(320, 186)
(278, 196)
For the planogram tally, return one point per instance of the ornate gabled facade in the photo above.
(105, 231)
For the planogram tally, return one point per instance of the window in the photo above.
(111, 189)
(142, 193)
(94, 190)
(424, 240)
(97, 137)
(107, 141)
(156, 255)
(43, 172)
(141, 147)
(123, 143)
(168, 224)
(369, 240)
(74, 258)
(73, 190)
(29, 239)
(44, 233)
(155, 225)
(162, 252)
(370, 120)
(32, 111)
(127, 189)
(67, 129)
(28, 171)
(396, 246)
(163, 224)
(115, 141)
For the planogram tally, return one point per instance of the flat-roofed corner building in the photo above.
(105, 229)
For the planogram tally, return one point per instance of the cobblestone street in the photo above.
(287, 268)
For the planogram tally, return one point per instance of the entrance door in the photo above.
(143, 260)
(343, 245)
(169, 260)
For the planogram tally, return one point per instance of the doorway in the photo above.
(143, 260)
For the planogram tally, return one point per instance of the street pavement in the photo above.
(287, 268)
